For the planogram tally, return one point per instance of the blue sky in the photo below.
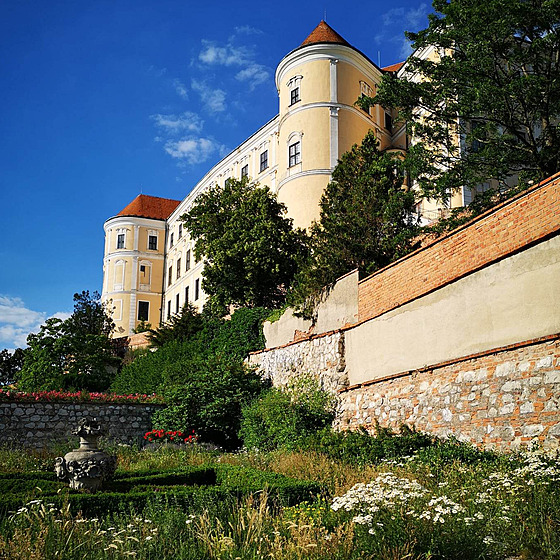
(101, 100)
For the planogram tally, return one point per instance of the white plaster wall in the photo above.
(514, 300)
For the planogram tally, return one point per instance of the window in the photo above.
(170, 276)
(365, 109)
(245, 171)
(145, 270)
(388, 122)
(169, 310)
(177, 303)
(264, 160)
(294, 153)
(294, 96)
(188, 260)
(178, 269)
(120, 241)
(180, 231)
(196, 289)
(152, 242)
(143, 310)
(186, 295)
(171, 240)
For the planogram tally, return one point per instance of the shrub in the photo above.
(207, 396)
(286, 418)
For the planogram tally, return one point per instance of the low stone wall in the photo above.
(40, 424)
(321, 356)
(503, 398)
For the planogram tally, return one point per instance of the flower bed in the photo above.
(81, 396)
(177, 436)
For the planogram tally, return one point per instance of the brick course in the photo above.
(528, 218)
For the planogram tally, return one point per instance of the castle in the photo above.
(149, 270)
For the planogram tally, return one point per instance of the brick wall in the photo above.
(503, 398)
(502, 231)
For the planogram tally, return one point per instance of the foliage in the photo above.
(175, 436)
(367, 219)
(206, 394)
(74, 354)
(181, 326)
(250, 249)
(199, 336)
(490, 106)
(284, 418)
(10, 365)
(141, 327)
(360, 448)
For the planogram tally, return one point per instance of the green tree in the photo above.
(489, 108)
(366, 220)
(10, 365)
(73, 354)
(181, 326)
(249, 247)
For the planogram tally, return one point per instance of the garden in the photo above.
(330, 495)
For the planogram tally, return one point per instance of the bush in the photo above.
(284, 419)
(207, 396)
(359, 447)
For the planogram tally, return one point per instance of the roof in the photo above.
(324, 33)
(394, 67)
(146, 206)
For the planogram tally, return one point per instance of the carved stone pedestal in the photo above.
(88, 467)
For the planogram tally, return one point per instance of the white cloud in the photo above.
(193, 150)
(17, 321)
(255, 73)
(180, 89)
(247, 30)
(187, 121)
(213, 98)
(228, 55)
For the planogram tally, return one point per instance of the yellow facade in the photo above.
(293, 154)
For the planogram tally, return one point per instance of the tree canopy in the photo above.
(76, 353)
(249, 247)
(367, 219)
(488, 106)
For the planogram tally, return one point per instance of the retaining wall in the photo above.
(40, 424)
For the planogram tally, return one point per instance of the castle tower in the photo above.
(134, 262)
(318, 84)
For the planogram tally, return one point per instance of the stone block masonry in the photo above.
(321, 356)
(40, 424)
(503, 399)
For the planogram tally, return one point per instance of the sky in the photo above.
(103, 100)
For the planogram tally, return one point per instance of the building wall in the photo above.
(124, 282)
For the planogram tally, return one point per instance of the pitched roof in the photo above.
(324, 33)
(394, 67)
(146, 206)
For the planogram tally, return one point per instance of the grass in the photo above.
(448, 502)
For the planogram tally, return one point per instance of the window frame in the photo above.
(155, 244)
(263, 161)
(294, 96)
(147, 307)
(294, 153)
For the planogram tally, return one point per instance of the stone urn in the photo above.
(88, 467)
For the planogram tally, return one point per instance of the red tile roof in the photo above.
(324, 33)
(394, 67)
(145, 206)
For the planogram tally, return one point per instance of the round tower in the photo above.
(134, 261)
(318, 84)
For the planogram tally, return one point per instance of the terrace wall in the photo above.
(40, 424)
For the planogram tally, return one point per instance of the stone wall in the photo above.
(321, 356)
(503, 399)
(40, 424)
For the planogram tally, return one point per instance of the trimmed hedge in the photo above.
(191, 489)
